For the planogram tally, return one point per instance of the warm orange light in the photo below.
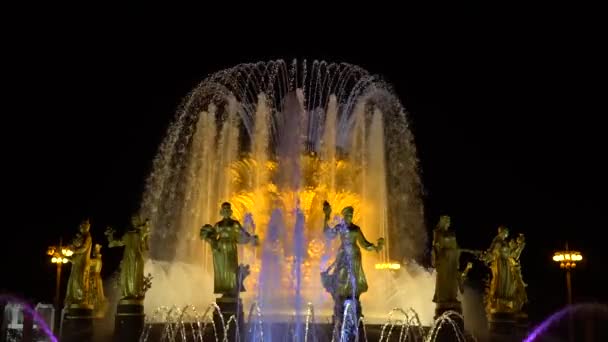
(567, 259)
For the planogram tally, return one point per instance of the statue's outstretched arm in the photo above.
(116, 243)
(112, 242)
(243, 236)
(368, 245)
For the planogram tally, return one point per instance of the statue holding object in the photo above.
(223, 239)
(446, 260)
(506, 293)
(345, 279)
(78, 283)
(133, 284)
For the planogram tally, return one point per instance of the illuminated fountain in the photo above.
(276, 140)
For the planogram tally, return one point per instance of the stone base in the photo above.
(502, 323)
(233, 316)
(129, 321)
(77, 323)
(453, 312)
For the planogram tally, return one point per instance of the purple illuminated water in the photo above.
(555, 318)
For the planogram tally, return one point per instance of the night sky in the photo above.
(506, 116)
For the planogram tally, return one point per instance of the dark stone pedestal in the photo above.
(77, 324)
(522, 323)
(129, 321)
(453, 312)
(502, 323)
(230, 307)
(509, 327)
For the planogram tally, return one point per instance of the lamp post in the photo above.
(567, 261)
(59, 256)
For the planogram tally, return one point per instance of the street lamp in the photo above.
(567, 260)
(59, 255)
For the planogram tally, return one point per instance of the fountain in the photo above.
(276, 140)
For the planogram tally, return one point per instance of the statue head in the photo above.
(347, 214)
(521, 238)
(503, 232)
(97, 250)
(84, 226)
(226, 210)
(444, 222)
(135, 221)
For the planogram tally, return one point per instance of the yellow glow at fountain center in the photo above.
(260, 195)
(388, 266)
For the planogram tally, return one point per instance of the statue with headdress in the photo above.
(133, 284)
(78, 283)
(345, 279)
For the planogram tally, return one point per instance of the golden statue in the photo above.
(96, 294)
(133, 284)
(223, 239)
(445, 256)
(348, 279)
(502, 293)
(78, 283)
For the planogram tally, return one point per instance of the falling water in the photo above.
(276, 140)
(299, 251)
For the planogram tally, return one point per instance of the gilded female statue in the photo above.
(446, 260)
(78, 283)
(96, 294)
(500, 296)
(135, 241)
(348, 278)
(223, 239)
